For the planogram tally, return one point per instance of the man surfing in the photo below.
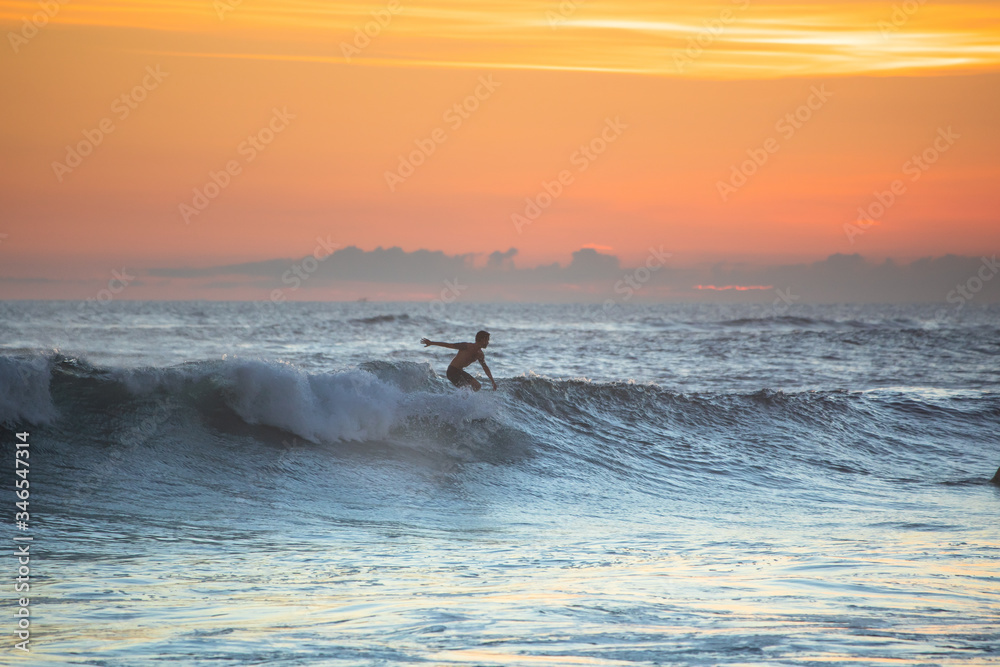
(467, 353)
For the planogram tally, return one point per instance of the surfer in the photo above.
(467, 353)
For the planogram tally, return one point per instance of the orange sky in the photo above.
(674, 95)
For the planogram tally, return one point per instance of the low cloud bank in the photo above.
(595, 276)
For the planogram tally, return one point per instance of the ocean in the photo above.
(298, 484)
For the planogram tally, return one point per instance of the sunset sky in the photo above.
(170, 138)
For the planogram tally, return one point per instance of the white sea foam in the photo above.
(354, 405)
(347, 405)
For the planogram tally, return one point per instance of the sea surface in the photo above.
(298, 484)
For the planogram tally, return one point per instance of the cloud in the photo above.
(588, 264)
(501, 260)
(27, 280)
(264, 268)
(852, 278)
(772, 39)
(382, 265)
(593, 276)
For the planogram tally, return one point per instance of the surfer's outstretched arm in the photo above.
(488, 374)
(453, 346)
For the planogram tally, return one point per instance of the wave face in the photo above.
(24, 390)
(650, 437)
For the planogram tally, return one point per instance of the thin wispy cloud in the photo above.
(731, 40)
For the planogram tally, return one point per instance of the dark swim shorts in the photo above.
(460, 378)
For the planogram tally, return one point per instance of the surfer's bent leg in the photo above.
(460, 378)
